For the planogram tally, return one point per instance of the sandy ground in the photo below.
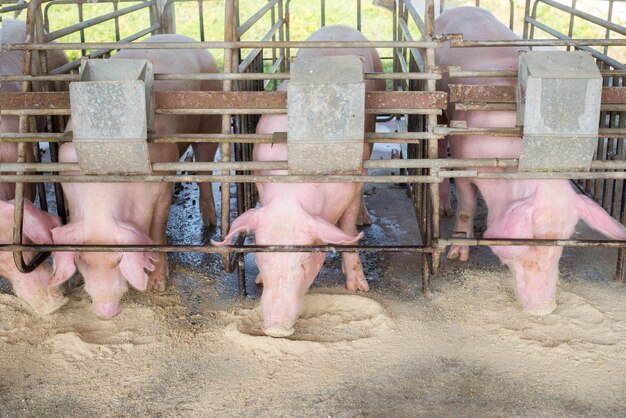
(195, 349)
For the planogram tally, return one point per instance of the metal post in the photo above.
(432, 143)
(230, 26)
(619, 271)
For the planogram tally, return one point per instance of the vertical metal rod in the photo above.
(570, 30)
(358, 15)
(201, 15)
(433, 145)
(396, 37)
(526, 24)
(229, 36)
(241, 274)
(117, 22)
(82, 31)
(287, 34)
(619, 270)
(43, 62)
(323, 14)
(607, 34)
(281, 38)
(425, 276)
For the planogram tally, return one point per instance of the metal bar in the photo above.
(226, 45)
(199, 178)
(255, 18)
(509, 163)
(513, 73)
(443, 242)
(221, 249)
(459, 43)
(222, 76)
(96, 20)
(370, 137)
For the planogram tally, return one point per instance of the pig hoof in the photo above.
(445, 210)
(157, 285)
(354, 285)
(259, 279)
(278, 331)
(544, 308)
(106, 310)
(459, 251)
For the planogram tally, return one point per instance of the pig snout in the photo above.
(280, 311)
(536, 276)
(106, 310)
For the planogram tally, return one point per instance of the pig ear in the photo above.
(63, 261)
(37, 223)
(514, 223)
(134, 264)
(133, 267)
(596, 217)
(246, 222)
(330, 234)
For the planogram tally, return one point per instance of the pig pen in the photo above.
(467, 348)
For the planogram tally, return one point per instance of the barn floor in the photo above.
(192, 350)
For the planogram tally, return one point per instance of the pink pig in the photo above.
(129, 213)
(306, 213)
(518, 209)
(31, 287)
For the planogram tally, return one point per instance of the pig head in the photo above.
(286, 276)
(31, 287)
(106, 274)
(550, 212)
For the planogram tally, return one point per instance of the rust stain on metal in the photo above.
(482, 93)
(614, 95)
(406, 100)
(220, 100)
(35, 100)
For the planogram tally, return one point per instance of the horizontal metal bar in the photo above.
(513, 73)
(443, 242)
(223, 45)
(510, 163)
(201, 178)
(370, 137)
(223, 76)
(96, 20)
(222, 249)
(219, 102)
(458, 43)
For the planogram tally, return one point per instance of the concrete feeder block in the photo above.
(558, 104)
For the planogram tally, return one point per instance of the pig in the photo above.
(304, 213)
(129, 213)
(517, 209)
(31, 287)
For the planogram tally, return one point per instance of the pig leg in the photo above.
(206, 152)
(351, 263)
(467, 196)
(364, 216)
(158, 277)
